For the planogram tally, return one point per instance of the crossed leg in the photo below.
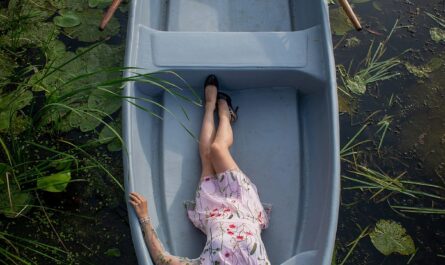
(208, 131)
(214, 145)
(220, 155)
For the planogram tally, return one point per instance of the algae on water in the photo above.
(437, 34)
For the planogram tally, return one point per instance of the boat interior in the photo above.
(271, 57)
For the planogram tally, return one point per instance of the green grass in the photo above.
(374, 69)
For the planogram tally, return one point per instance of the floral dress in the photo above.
(228, 210)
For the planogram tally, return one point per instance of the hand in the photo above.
(140, 204)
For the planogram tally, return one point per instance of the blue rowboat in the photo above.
(275, 59)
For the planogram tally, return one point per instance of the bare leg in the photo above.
(221, 158)
(208, 131)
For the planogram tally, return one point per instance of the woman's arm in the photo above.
(155, 247)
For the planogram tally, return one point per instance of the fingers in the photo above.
(139, 196)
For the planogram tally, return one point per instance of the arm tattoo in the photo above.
(156, 249)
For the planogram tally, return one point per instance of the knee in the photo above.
(217, 149)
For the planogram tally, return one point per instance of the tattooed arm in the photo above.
(155, 247)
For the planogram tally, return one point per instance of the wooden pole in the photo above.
(109, 14)
(351, 14)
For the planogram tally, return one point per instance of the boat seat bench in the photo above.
(166, 49)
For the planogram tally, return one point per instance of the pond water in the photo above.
(404, 119)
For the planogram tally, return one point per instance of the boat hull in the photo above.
(286, 138)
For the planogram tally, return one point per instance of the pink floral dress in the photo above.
(228, 210)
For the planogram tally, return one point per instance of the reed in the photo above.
(418, 210)
(378, 183)
(374, 69)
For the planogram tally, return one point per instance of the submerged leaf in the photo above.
(89, 31)
(55, 182)
(352, 42)
(107, 136)
(390, 237)
(340, 23)
(13, 201)
(437, 34)
(113, 252)
(67, 19)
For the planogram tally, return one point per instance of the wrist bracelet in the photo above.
(144, 220)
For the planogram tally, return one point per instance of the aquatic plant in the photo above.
(418, 210)
(383, 124)
(374, 69)
(11, 250)
(349, 149)
(390, 237)
(363, 233)
(379, 183)
(437, 34)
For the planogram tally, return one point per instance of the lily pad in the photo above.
(67, 19)
(107, 136)
(88, 30)
(55, 182)
(437, 34)
(340, 23)
(390, 237)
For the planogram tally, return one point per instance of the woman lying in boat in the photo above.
(227, 207)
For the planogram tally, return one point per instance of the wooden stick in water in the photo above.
(109, 14)
(351, 14)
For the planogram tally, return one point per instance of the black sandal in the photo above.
(233, 112)
(211, 80)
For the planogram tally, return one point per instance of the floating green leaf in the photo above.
(67, 19)
(107, 136)
(88, 30)
(340, 23)
(437, 34)
(390, 237)
(55, 182)
(113, 252)
(423, 71)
